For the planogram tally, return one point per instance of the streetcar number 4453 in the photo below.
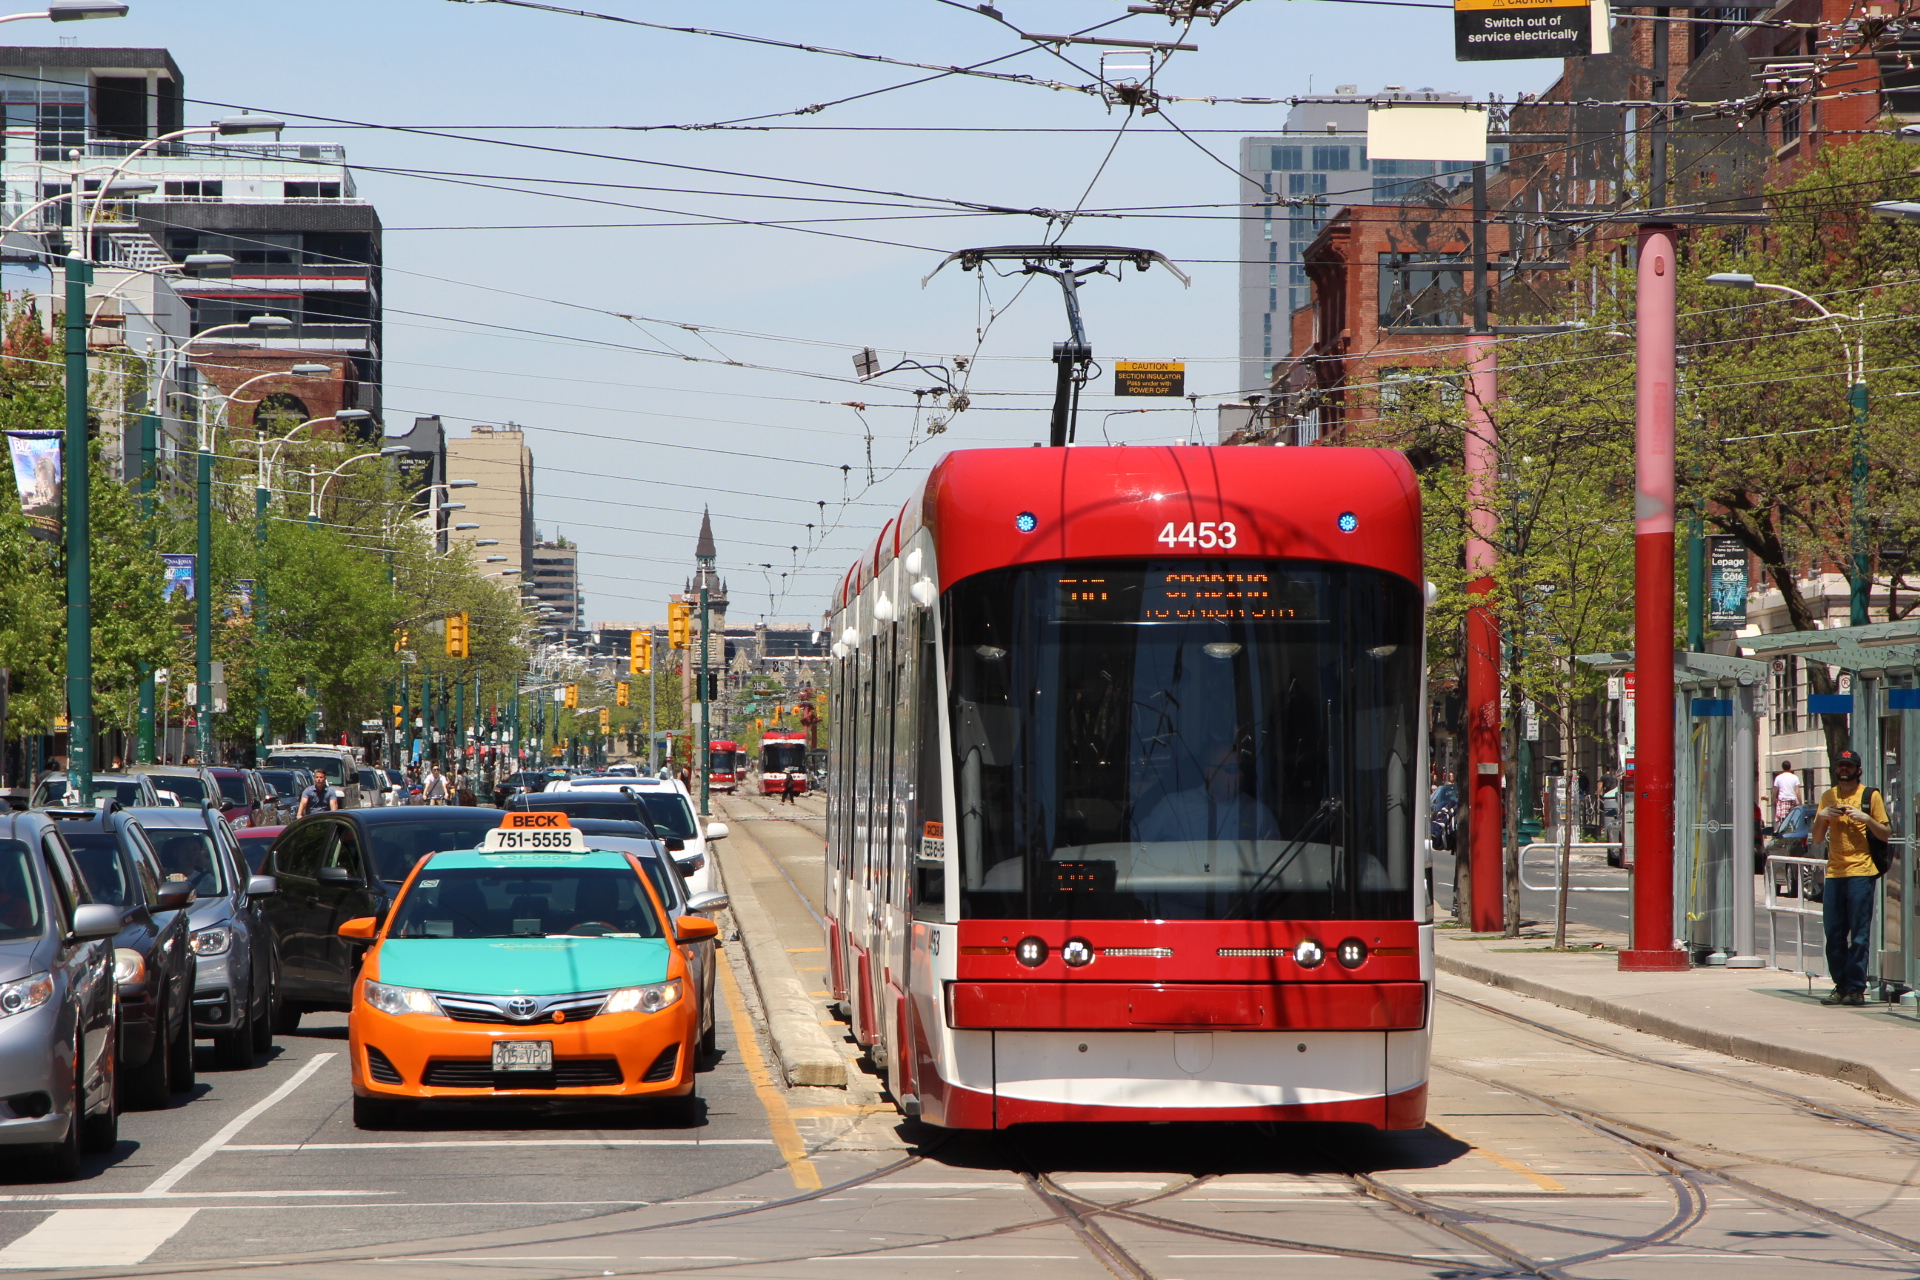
(1207, 533)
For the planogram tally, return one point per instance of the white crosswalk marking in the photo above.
(95, 1237)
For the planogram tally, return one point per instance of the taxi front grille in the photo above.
(477, 1073)
(381, 1068)
(663, 1066)
(498, 1009)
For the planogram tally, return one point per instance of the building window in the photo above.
(1273, 275)
(1789, 123)
(1396, 180)
(312, 190)
(1306, 184)
(62, 128)
(197, 190)
(1419, 290)
(1286, 158)
(1786, 694)
(1333, 157)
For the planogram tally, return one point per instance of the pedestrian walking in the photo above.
(1853, 821)
(1786, 792)
(319, 797)
(433, 784)
(788, 788)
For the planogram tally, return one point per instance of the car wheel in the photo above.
(181, 1051)
(709, 1040)
(147, 1085)
(233, 1050)
(376, 1114)
(261, 1027)
(286, 1018)
(100, 1133)
(683, 1112)
(63, 1157)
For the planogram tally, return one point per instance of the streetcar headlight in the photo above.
(651, 998)
(1077, 952)
(25, 994)
(396, 1000)
(1352, 953)
(129, 966)
(213, 940)
(1031, 952)
(1309, 954)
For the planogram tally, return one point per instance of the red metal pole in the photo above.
(1481, 787)
(1652, 943)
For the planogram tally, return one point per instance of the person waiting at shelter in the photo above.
(1852, 819)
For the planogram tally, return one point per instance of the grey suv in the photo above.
(57, 1033)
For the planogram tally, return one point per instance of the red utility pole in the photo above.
(1656, 327)
(1480, 789)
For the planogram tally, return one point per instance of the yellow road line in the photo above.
(786, 1136)
(1538, 1179)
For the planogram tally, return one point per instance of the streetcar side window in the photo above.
(930, 870)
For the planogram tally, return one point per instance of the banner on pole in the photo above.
(240, 603)
(36, 477)
(1727, 583)
(180, 576)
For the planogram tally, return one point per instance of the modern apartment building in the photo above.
(556, 581)
(498, 519)
(1320, 155)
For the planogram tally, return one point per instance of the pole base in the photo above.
(1746, 962)
(1668, 961)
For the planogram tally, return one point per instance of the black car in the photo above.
(1443, 817)
(339, 866)
(154, 967)
(601, 802)
(1790, 840)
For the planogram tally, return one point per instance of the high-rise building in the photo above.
(1320, 155)
(556, 581)
(499, 507)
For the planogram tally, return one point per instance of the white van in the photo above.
(342, 766)
(670, 809)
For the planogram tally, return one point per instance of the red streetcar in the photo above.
(783, 760)
(726, 766)
(1125, 812)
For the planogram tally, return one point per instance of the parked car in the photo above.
(186, 784)
(525, 783)
(254, 843)
(1443, 812)
(1790, 839)
(57, 1078)
(395, 785)
(340, 764)
(373, 787)
(244, 799)
(237, 981)
(671, 885)
(622, 771)
(339, 866)
(128, 789)
(286, 785)
(669, 810)
(153, 961)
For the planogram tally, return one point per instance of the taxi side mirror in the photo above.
(691, 929)
(363, 927)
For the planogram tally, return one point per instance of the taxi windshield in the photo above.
(527, 902)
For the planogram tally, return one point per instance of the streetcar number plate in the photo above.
(523, 1055)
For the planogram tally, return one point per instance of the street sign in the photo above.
(1494, 30)
(1149, 378)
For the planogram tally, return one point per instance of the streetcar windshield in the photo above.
(1185, 740)
(783, 757)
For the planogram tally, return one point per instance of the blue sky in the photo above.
(629, 446)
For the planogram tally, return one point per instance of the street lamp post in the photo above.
(1860, 582)
(79, 542)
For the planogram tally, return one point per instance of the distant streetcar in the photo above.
(726, 766)
(783, 761)
(1125, 802)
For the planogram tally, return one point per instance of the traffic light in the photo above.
(623, 694)
(680, 626)
(640, 662)
(457, 646)
(398, 723)
(778, 712)
(402, 641)
(606, 720)
(573, 697)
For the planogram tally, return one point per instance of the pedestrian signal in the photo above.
(573, 696)
(641, 650)
(680, 626)
(623, 694)
(457, 645)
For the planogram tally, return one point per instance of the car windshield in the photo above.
(1442, 794)
(99, 857)
(671, 814)
(283, 781)
(332, 766)
(125, 790)
(527, 902)
(254, 849)
(233, 787)
(584, 804)
(1797, 822)
(663, 880)
(783, 757)
(186, 854)
(393, 777)
(187, 786)
(19, 893)
(1185, 740)
(397, 845)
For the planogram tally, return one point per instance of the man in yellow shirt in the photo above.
(1850, 812)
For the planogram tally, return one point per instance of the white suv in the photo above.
(670, 809)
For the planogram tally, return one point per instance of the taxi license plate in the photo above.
(522, 1055)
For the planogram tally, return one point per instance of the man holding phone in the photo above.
(1852, 817)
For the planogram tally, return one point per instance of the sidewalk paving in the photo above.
(1769, 1016)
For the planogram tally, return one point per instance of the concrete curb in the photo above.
(805, 1054)
(1793, 1058)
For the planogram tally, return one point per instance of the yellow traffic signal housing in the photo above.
(398, 723)
(457, 641)
(606, 720)
(573, 696)
(402, 642)
(680, 625)
(641, 650)
(623, 694)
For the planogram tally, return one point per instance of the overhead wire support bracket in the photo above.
(1114, 41)
(1072, 357)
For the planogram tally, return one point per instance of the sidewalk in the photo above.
(1769, 1016)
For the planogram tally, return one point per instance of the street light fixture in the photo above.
(453, 506)
(80, 10)
(463, 484)
(485, 542)
(467, 527)
(1896, 210)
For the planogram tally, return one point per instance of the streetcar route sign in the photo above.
(1149, 378)
(1492, 30)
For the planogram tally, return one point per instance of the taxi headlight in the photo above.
(129, 966)
(397, 1000)
(651, 998)
(25, 994)
(213, 940)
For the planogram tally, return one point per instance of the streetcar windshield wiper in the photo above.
(1325, 809)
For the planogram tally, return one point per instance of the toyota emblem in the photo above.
(520, 1006)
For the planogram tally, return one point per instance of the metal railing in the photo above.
(1577, 847)
(1799, 875)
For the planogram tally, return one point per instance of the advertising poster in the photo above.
(240, 603)
(1726, 583)
(179, 583)
(36, 476)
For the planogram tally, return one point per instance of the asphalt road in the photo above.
(1549, 1143)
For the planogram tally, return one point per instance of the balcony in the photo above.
(330, 152)
(299, 337)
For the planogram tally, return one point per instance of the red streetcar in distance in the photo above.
(726, 766)
(783, 757)
(1126, 805)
